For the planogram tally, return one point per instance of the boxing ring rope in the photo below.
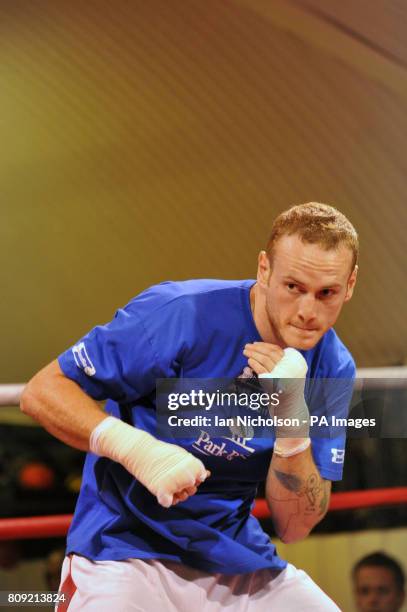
(371, 377)
(10, 394)
(57, 525)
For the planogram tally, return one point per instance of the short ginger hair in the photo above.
(315, 223)
(380, 559)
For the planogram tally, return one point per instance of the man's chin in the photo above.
(302, 340)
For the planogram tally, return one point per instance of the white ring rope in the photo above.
(367, 378)
(10, 394)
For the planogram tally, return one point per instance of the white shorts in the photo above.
(154, 585)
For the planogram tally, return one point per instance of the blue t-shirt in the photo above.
(190, 329)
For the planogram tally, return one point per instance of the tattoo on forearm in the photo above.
(314, 489)
(289, 481)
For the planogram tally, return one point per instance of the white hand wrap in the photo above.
(164, 469)
(290, 371)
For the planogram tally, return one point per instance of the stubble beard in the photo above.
(277, 338)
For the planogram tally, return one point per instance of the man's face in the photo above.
(376, 590)
(305, 289)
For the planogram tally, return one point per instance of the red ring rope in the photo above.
(350, 500)
(57, 525)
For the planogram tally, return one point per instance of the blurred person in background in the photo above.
(378, 583)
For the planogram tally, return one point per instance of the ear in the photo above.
(263, 269)
(351, 284)
(400, 599)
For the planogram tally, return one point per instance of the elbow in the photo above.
(292, 536)
(38, 391)
(33, 400)
(295, 534)
(29, 400)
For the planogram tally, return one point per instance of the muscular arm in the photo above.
(64, 410)
(61, 406)
(296, 494)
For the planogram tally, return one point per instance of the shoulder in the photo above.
(181, 294)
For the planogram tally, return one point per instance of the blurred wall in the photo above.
(151, 141)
